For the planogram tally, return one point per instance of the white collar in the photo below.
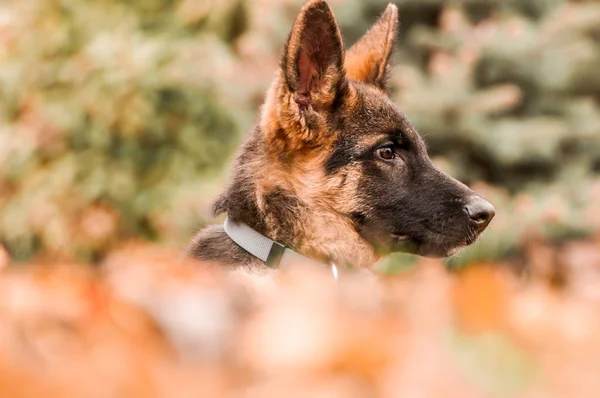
(270, 252)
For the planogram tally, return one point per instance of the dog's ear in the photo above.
(313, 58)
(368, 60)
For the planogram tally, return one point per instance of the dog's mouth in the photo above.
(421, 239)
(430, 245)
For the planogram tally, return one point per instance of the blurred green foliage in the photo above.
(116, 118)
(106, 116)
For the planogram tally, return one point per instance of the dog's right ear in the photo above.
(368, 60)
(313, 58)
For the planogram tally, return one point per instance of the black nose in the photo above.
(481, 211)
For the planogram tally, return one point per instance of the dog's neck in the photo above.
(277, 203)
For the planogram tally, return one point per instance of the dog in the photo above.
(333, 172)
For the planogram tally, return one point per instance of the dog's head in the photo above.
(340, 145)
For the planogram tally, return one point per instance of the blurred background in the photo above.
(119, 120)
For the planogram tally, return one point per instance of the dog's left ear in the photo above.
(313, 57)
(368, 60)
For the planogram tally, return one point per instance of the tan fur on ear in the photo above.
(311, 78)
(369, 58)
(313, 58)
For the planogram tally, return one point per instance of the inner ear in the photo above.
(368, 60)
(307, 74)
(313, 58)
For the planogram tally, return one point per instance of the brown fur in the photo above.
(368, 59)
(304, 174)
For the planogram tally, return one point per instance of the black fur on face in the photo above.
(404, 202)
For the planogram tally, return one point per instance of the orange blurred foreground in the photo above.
(147, 325)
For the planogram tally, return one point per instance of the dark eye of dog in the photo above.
(386, 153)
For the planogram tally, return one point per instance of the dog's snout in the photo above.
(480, 211)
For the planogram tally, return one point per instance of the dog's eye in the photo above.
(386, 153)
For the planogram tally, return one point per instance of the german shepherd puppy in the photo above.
(333, 169)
